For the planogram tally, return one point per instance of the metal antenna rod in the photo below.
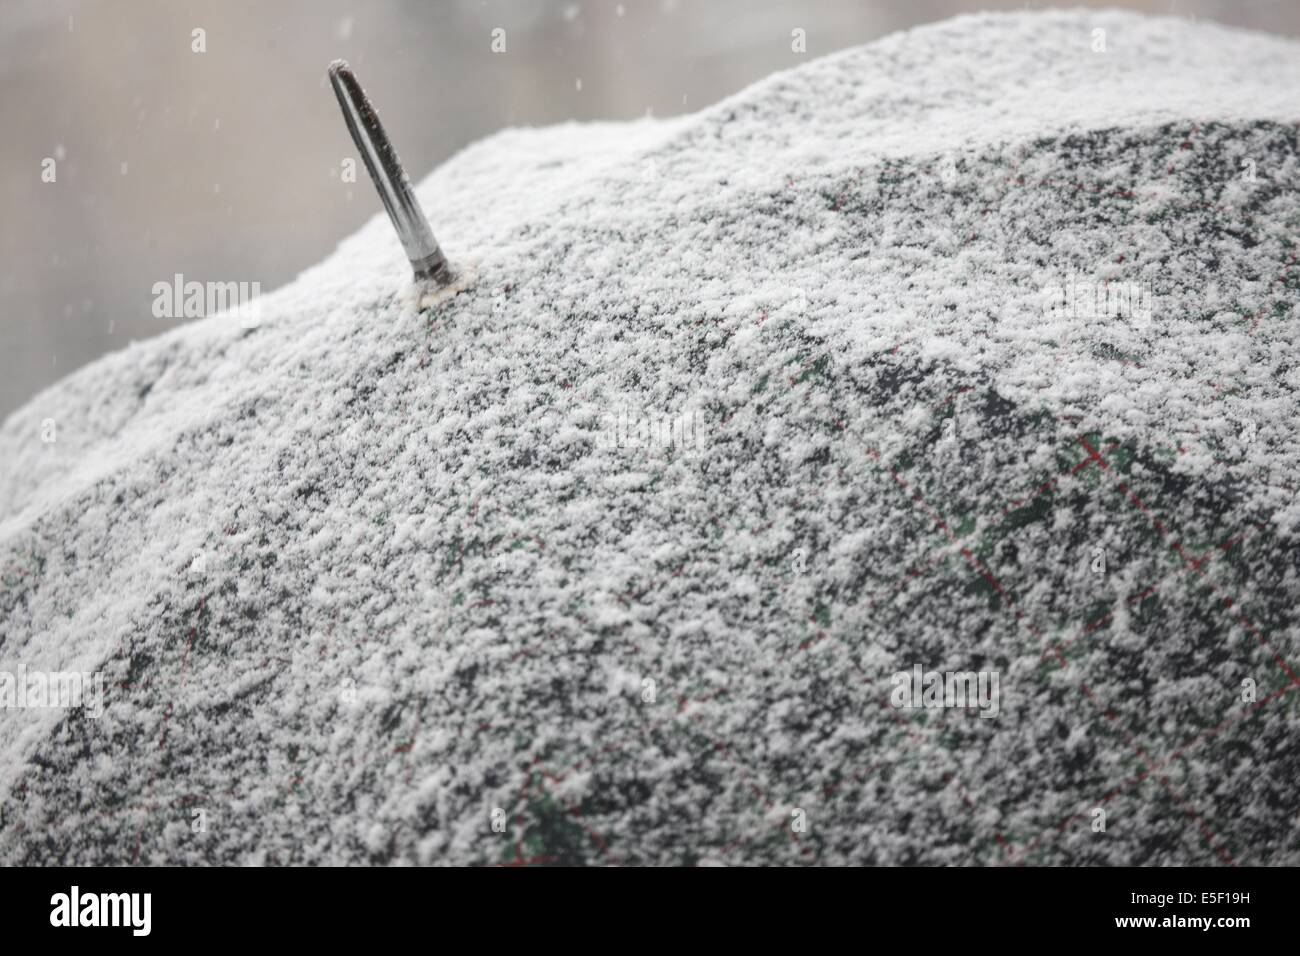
(389, 178)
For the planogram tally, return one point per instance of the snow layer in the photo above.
(362, 576)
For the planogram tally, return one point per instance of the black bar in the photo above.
(935, 909)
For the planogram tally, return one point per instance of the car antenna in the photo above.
(389, 178)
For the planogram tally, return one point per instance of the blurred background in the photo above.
(225, 165)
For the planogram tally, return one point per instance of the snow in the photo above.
(431, 585)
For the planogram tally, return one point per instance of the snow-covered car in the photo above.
(893, 463)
